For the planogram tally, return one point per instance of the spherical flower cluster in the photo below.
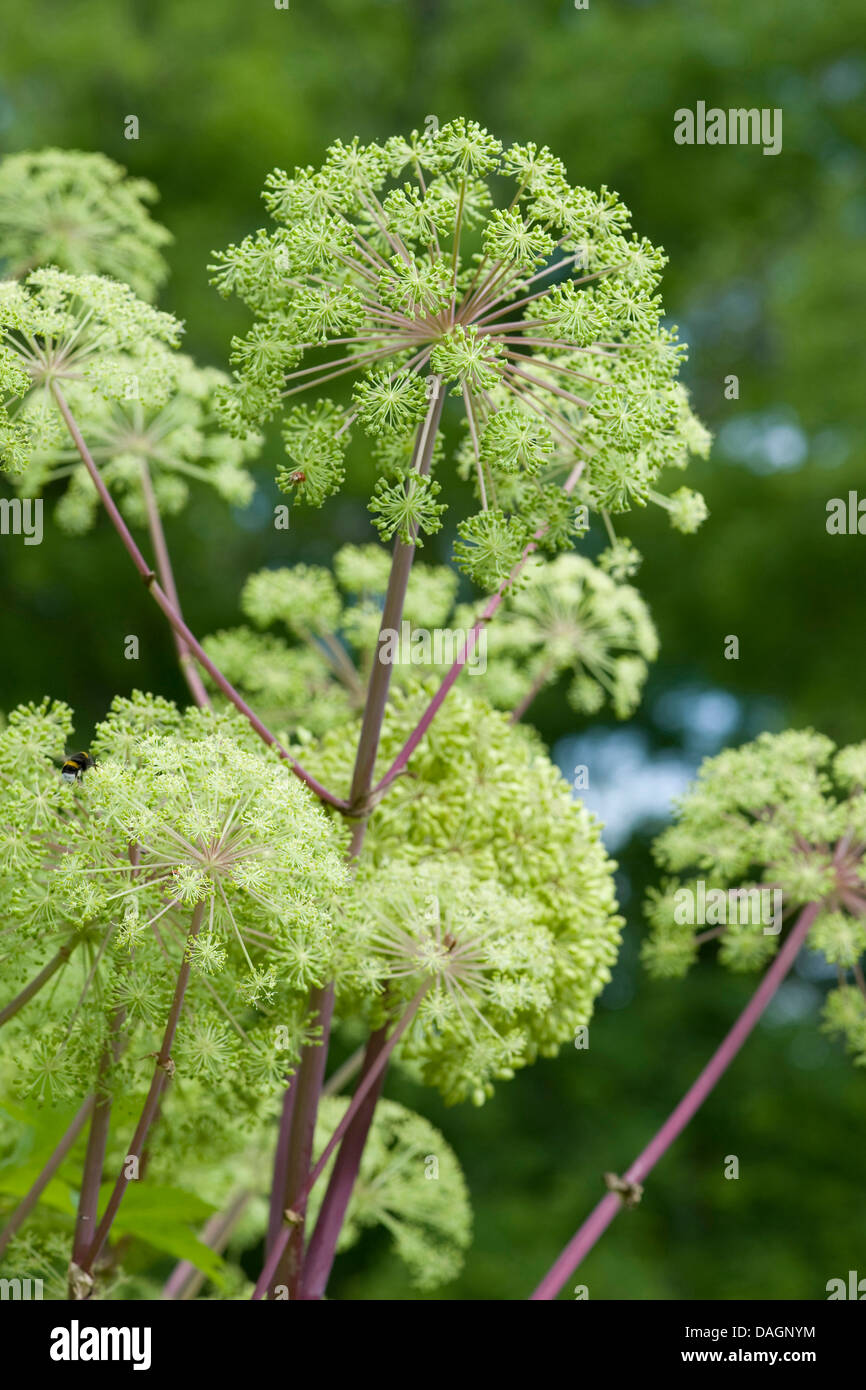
(186, 841)
(80, 213)
(86, 335)
(569, 618)
(786, 815)
(148, 455)
(489, 890)
(410, 1183)
(146, 411)
(394, 269)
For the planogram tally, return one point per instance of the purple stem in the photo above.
(97, 1140)
(392, 612)
(307, 1086)
(323, 1244)
(603, 1214)
(166, 574)
(177, 622)
(365, 1085)
(450, 678)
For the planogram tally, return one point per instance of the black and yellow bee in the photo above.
(75, 767)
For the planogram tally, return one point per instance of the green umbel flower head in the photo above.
(569, 618)
(146, 410)
(488, 889)
(147, 452)
(183, 819)
(80, 213)
(767, 829)
(392, 267)
(88, 336)
(410, 1183)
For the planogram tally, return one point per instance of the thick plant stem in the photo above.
(310, 1076)
(450, 678)
(375, 1062)
(279, 1200)
(392, 613)
(307, 1084)
(189, 670)
(323, 1244)
(27, 1203)
(599, 1220)
(174, 618)
(97, 1140)
(368, 1081)
(380, 679)
(161, 1071)
(38, 981)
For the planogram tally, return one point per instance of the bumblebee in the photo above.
(75, 767)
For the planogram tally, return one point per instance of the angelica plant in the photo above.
(81, 213)
(782, 816)
(372, 856)
(785, 813)
(542, 317)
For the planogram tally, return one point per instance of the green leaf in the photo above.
(161, 1217)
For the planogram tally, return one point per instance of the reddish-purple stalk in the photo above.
(168, 608)
(372, 1069)
(323, 1243)
(307, 1087)
(392, 612)
(369, 1079)
(309, 1078)
(30, 1201)
(161, 1070)
(603, 1214)
(97, 1141)
(278, 1202)
(368, 747)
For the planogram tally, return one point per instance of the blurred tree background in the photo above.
(766, 281)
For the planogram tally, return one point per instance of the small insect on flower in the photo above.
(75, 767)
(298, 477)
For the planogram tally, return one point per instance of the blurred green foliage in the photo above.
(767, 282)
